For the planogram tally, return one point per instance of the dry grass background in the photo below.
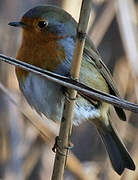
(24, 154)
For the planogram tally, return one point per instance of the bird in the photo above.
(48, 41)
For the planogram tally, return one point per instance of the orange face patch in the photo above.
(40, 49)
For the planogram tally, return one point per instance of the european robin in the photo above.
(48, 38)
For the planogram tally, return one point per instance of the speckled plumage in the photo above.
(52, 48)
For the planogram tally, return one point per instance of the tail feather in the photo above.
(117, 151)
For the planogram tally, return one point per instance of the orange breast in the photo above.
(39, 50)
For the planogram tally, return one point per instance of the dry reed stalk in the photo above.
(95, 31)
(66, 122)
(127, 20)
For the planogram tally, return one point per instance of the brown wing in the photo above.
(92, 52)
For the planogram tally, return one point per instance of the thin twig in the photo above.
(70, 83)
(66, 123)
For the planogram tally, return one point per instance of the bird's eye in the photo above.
(42, 24)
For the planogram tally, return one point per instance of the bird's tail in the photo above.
(117, 151)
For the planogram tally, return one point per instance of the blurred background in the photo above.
(24, 154)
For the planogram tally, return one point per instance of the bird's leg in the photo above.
(66, 92)
(56, 147)
(67, 96)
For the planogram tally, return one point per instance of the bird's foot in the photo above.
(67, 96)
(56, 148)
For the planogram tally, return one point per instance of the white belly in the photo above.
(48, 98)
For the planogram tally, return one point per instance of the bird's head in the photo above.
(47, 22)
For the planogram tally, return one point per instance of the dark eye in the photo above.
(42, 24)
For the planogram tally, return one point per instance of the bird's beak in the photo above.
(17, 24)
